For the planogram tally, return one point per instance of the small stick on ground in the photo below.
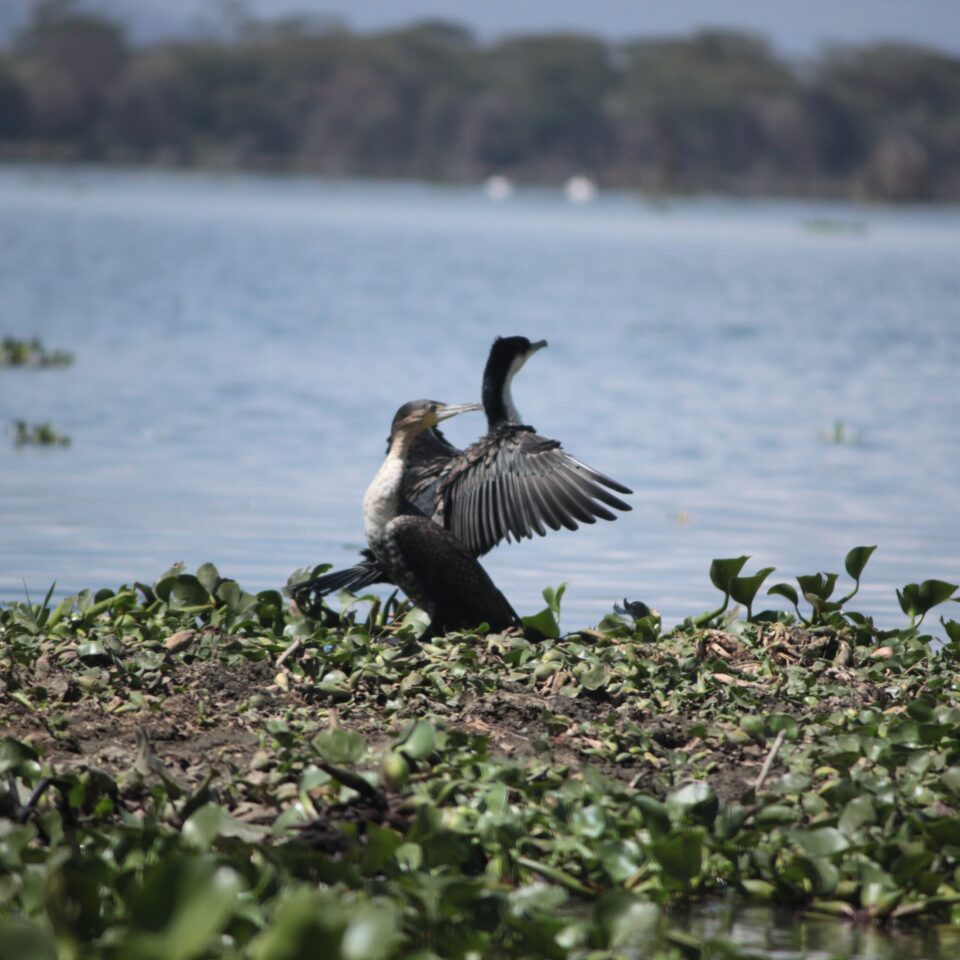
(768, 763)
(289, 652)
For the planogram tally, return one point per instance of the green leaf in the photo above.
(306, 924)
(909, 599)
(776, 722)
(821, 873)
(680, 856)
(619, 858)
(944, 830)
(340, 746)
(209, 576)
(856, 560)
(91, 650)
(857, 813)
(233, 597)
(952, 628)
(730, 820)
(187, 591)
(760, 889)
(594, 678)
(821, 842)
(910, 865)
(203, 826)
(784, 590)
(696, 800)
(724, 570)
(418, 620)
(184, 903)
(951, 780)
(420, 741)
(776, 814)
(544, 623)
(655, 816)
(744, 589)
(623, 917)
(553, 596)
(932, 592)
(22, 939)
(14, 753)
(372, 933)
(819, 584)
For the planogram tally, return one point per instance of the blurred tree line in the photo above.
(714, 111)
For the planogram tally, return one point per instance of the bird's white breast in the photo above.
(381, 503)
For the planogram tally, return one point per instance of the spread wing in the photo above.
(514, 483)
(429, 454)
(450, 583)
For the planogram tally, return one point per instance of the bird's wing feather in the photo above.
(514, 483)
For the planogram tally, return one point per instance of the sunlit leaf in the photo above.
(419, 742)
(340, 746)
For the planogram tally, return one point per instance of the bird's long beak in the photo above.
(449, 410)
(538, 345)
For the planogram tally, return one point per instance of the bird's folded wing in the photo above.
(464, 592)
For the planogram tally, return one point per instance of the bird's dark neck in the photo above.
(497, 399)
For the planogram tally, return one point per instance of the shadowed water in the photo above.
(776, 379)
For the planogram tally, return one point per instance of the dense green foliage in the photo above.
(190, 770)
(717, 110)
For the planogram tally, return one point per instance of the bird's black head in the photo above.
(507, 351)
(507, 356)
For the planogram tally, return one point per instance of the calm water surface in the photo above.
(242, 343)
(781, 934)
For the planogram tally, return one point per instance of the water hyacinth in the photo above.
(192, 770)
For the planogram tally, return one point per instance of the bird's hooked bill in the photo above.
(452, 409)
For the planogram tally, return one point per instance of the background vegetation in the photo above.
(717, 110)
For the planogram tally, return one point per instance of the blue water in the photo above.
(242, 343)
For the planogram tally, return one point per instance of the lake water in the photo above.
(242, 343)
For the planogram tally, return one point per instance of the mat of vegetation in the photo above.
(189, 770)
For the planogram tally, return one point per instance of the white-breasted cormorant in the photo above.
(510, 484)
(432, 567)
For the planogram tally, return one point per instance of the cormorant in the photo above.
(509, 484)
(437, 572)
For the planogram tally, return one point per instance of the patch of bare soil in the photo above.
(203, 722)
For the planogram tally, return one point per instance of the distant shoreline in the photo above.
(828, 191)
(714, 111)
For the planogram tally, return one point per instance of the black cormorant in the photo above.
(437, 572)
(509, 484)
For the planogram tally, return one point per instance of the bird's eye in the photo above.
(433, 408)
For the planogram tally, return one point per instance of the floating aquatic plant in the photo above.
(38, 435)
(31, 353)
